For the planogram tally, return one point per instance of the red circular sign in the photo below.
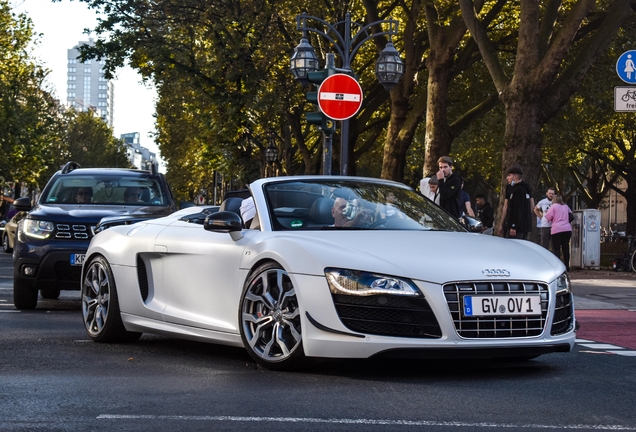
(340, 97)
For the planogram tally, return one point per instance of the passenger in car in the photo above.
(83, 195)
(248, 211)
(133, 195)
(349, 214)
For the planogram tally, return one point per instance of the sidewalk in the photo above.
(603, 289)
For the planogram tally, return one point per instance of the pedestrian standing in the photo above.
(429, 188)
(465, 208)
(485, 214)
(520, 205)
(450, 184)
(559, 215)
(543, 224)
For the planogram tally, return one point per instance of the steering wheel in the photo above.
(378, 223)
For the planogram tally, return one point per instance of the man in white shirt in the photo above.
(543, 225)
(428, 188)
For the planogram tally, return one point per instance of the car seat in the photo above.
(320, 211)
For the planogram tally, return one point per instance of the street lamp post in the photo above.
(388, 68)
(271, 156)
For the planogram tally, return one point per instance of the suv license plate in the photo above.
(77, 259)
(502, 305)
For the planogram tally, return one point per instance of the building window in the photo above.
(86, 62)
(101, 78)
(102, 104)
(72, 78)
(71, 86)
(87, 70)
(71, 94)
(102, 87)
(72, 70)
(72, 61)
(102, 96)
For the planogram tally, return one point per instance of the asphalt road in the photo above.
(54, 378)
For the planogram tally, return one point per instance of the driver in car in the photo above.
(350, 214)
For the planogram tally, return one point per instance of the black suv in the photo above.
(51, 241)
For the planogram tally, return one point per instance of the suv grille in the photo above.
(495, 327)
(73, 231)
(387, 315)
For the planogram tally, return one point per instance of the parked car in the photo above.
(383, 277)
(8, 234)
(52, 238)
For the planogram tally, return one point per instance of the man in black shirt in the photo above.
(485, 214)
(449, 187)
(520, 205)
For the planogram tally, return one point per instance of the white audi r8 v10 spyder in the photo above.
(340, 267)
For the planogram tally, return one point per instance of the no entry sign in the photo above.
(340, 97)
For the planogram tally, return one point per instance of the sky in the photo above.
(62, 25)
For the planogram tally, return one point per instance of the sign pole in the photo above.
(344, 147)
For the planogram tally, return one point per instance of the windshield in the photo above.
(342, 204)
(104, 190)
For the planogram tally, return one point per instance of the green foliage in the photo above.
(28, 114)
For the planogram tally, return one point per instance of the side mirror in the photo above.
(224, 221)
(471, 224)
(22, 204)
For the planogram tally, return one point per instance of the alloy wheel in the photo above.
(270, 317)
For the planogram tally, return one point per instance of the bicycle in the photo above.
(631, 94)
(627, 260)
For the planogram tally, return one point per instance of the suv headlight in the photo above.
(361, 283)
(563, 284)
(37, 229)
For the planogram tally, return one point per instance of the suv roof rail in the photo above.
(70, 166)
(152, 167)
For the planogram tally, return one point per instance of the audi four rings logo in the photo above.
(495, 272)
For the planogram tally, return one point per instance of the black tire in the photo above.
(50, 293)
(269, 317)
(5, 243)
(24, 297)
(100, 304)
(632, 262)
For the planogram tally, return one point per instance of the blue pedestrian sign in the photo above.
(626, 67)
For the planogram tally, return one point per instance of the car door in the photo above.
(201, 276)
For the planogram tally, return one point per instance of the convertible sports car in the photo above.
(327, 267)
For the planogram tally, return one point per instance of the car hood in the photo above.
(92, 213)
(437, 257)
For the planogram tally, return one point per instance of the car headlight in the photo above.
(563, 284)
(361, 283)
(38, 229)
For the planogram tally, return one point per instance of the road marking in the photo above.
(360, 422)
(601, 346)
(604, 348)
(10, 311)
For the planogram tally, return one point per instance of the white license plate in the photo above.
(502, 305)
(77, 259)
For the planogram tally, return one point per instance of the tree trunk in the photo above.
(522, 144)
(438, 138)
(397, 142)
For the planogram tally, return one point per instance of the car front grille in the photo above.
(563, 314)
(500, 326)
(387, 315)
(73, 231)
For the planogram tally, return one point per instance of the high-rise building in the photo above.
(137, 155)
(87, 88)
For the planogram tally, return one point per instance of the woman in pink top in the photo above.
(561, 232)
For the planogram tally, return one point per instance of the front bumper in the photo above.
(324, 334)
